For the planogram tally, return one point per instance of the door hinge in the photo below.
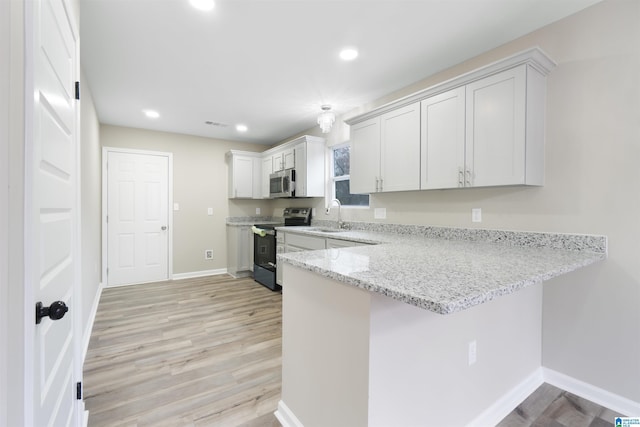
(79, 390)
(78, 90)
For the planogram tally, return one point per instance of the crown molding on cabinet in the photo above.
(534, 57)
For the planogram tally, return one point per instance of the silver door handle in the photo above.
(163, 228)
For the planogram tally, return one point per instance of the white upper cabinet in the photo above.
(400, 149)
(505, 129)
(244, 174)
(483, 128)
(283, 160)
(267, 169)
(442, 141)
(365, 156)
(385, 152)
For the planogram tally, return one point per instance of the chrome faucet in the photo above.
(340, 223)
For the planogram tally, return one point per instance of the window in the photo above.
(340, 176)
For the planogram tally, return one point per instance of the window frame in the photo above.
(333, 179)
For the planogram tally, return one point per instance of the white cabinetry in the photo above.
(483, 128)
(267, 169)
(442, 141)
(505, 129)
(244, 174)
(283, 160)
(385, 152)
(239, 250)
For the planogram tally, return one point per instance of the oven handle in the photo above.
(262, 232)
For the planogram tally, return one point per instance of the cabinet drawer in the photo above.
(305, 242)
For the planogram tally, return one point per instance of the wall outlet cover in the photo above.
(258, 211)
(476, 215)
(209, 211)
(176, 206)
(208, 254)
(380, 213)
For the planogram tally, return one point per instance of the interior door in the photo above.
(51, 223)
(137, 218)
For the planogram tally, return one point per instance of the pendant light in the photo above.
(326, 118)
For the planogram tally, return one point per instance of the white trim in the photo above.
(105, 155)
(286, 417)
(590, 392)
(202, 273)
(534, 57)
(89, 328)
(509, 401)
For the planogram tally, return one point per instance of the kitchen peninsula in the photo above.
(434, 326)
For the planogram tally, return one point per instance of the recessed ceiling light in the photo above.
(242, 128)
(348, 54)
(151, 114)
(205, 5)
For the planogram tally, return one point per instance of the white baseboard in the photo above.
(508, 402)
(286, 417)
(89, 328)
(590, 392)
(202, 273)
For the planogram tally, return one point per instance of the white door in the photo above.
(365, 157)
(137, 218)
(400, 149)
(51, 222)
(442, 140)
(495, 129)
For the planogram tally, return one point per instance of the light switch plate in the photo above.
(176, 206)
(258, 211)
(209, 211)
(476, 215)
(380, 213)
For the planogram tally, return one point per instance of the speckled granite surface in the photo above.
(243, 221)
(457, 270)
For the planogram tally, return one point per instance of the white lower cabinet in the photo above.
(239, 250)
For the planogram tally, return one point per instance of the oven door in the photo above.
(264, 250)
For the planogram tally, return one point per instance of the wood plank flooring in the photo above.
(207, 352)
(203, 351)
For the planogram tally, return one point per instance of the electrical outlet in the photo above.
(176, 206)
(473, 352)
(476, 215)
(208, 254)
(258, 211)
(380, 213)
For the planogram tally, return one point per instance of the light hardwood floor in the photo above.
(207, 352)
(203, 351)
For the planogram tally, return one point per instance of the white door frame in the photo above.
(105, 193)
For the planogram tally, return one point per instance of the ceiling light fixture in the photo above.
(151, 114)
(326, 118)
(242, 128)
(348, 54)
(204, 5)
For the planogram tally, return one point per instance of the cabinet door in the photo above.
(300, 156)
(245, 246)
(400, 149)
(267, 169)
(257, 178)
(495, 129)
(365, 156)
(278, 162)
(442, 140)
(288, 158)
(242, 177)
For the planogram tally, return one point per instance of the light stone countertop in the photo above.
(456, 270)
(248, 221)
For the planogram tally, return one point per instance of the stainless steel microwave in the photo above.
(282, 183)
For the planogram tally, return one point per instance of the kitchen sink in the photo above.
(327, 230)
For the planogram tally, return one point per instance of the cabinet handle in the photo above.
(381, 181)
(467, 174)
(460, 178)
(377, 184)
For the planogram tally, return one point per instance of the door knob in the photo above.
(55, 311)
(164, 227)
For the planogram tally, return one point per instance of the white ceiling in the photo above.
(271, 64)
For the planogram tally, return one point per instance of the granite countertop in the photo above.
(446, 270)
(247, 221)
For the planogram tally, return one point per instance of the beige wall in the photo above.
(91, 199)
(591, 324)
(200, 177)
